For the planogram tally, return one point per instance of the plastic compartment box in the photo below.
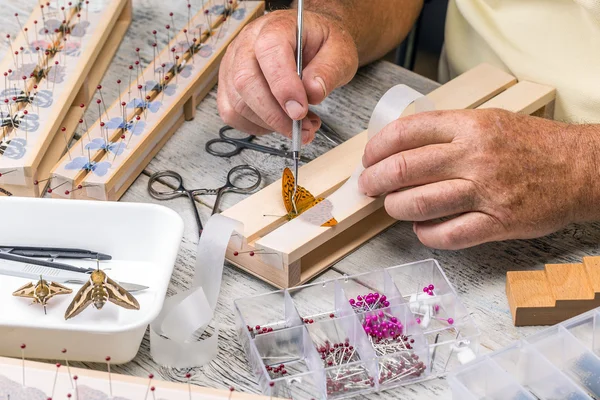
(560, 362)
(143, 240)
(326, 340)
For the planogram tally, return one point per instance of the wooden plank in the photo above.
(115, 378)
(523, 98)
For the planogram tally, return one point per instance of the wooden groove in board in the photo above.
(99, 61)
(192, 92)
(552, 295)
(157, 383)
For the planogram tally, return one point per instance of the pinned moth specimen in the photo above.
(99, 289)
(42, 291)
(303, 200)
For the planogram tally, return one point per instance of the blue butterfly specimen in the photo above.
(82, 163)
(153, 106)
(13, 148)
(239, 14)
(205, 51)
(100, 144)
(186, 71)
(169, 90)
(131, 126)
(217, 10)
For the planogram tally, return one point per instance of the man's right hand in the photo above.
(259, 90)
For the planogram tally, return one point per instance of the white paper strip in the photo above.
(186, 315)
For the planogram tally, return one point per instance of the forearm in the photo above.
(377, 26)
(586, 163)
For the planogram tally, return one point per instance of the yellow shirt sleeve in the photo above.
(552, 42)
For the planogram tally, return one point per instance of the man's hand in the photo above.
(490, 174)
(259, 90)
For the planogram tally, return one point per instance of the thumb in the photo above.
(334, 65)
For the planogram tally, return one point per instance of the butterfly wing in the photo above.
(114, 123)
(27, 290)
(287, 189)
(81, 301)
(120, 296)
(77, 163)
(57, 289)
(154, 106)
(95, 144)
(101, 168)
(330, 222)
(137, 128)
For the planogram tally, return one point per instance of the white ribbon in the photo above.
(185, 316)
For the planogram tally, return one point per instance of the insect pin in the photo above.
(97, 291)
(42, 291)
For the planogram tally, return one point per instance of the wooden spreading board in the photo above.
(161, 124)
(84, 73)
(42, 375)
(305, 255)
(554, 294)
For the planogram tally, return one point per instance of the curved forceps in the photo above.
(229, 187)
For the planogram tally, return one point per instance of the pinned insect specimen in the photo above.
(97, 291)
(303, 199)
(42, 291)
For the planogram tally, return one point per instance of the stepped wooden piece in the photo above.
(141, 384)
(189, 88)
(308, 253)
(82, 74)
(555, 294)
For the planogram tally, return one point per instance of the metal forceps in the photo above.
(238, 144)
(229, 187)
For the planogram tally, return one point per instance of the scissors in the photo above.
(238, 144)
(229, 187)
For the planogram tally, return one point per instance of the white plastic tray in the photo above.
(143, 240)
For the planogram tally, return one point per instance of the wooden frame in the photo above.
(554, 294)
(134, 151)
(50, 370)
(302, 255)
(80, 82)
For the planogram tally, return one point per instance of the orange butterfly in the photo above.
(303, 199)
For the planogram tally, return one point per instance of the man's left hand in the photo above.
(490, 175)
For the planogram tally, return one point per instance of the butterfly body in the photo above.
(97, 291)
(303, 199)
(42, 291)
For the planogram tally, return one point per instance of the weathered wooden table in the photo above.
(478, 274)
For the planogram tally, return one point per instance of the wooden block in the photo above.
(569, 282)
(557, 293)
(592, 268)
(315, 248)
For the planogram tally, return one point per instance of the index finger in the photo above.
(411, 132)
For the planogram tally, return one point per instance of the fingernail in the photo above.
(307, 137)
(321, 82)
(294, 109)
(316, 123)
